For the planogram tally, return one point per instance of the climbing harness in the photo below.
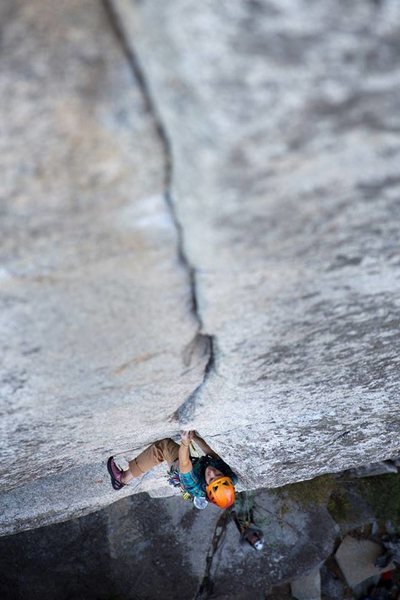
(173, 479)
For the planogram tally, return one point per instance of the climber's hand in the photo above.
(187, 436)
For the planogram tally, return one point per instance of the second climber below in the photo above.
(205, 479)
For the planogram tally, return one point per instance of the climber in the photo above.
(205, 479)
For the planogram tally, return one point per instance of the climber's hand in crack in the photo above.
(187, 436)
(192, 436)
(202, 444)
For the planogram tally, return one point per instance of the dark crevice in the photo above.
(187, 409)
(138, 75)
(186, 412)
(183, 259)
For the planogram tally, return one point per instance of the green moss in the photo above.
(284, 509)
(339, 505)
(314, 491)
(383, 494)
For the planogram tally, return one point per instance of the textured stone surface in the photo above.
(331, 585)
(97, 334)
(157, 548)
(356, 560)
(307, 587)
(284, 125)
(297, 540)
(381, 468)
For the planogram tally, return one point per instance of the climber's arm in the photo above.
(185, 464)
(202, 444)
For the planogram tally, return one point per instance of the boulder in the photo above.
(331, 585)
(356, 559)
(307, 587)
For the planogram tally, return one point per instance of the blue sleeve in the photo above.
(192, 483)
(188, 479)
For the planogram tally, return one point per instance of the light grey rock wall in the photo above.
(283, 119)
(261, 306)
(97, 331)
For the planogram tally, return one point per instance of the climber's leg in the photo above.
(155, 454)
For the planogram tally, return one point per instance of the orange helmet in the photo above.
(221, 492)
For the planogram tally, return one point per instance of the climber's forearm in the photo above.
(202, 444)
(185, 464)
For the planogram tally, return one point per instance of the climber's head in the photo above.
(220, 489)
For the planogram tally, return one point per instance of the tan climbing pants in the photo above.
(155, 454)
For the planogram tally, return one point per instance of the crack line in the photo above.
(186, 411)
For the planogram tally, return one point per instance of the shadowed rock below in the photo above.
(145, 548)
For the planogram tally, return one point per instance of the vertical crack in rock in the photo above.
(202, 344)
(186, 412)
(138, 75)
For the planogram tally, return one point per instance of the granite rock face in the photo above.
(98, 337)
(210, 242)
(284, 124)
